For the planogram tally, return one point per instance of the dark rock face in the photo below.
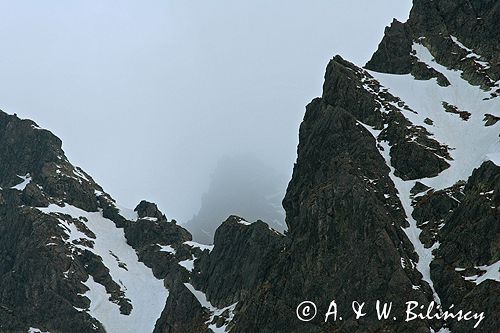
(243, 254)
(154, 228)
(345, 242)
(433, 208)
(414, 153)
(360, 210)
(470, 239)
(47, 257)
(33, 290)
(225, 280)
(344, 212)
(490, 120)
(27, 150)
(183, 313)
(148, 209)
(150, 232)
(393, 54)
(435, 24)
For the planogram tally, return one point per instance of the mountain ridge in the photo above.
(394, 196)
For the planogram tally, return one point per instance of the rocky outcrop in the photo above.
(469, 248)
(52, 242)
(150, 232)
(460, 35)
(414, 153)
(242, 256)
(346, 241)
(33, 290)
(382, 205)
(243, 253)
(366, 220)
(150, 210)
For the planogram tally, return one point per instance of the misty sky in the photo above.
(147, 96)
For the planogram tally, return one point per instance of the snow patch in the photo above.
(425, 98)
(471, 54)
(146, 293)
(79, 173)
(36, 330)
(244, 222)
(188, 264)
(21, 186)
(491, 272)
(149, 218)
(200, 246)
(167, 248)
(202, 299)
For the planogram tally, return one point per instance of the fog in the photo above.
(149, 96)
(241, 185)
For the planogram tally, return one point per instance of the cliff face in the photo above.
(460, 34)
(394, 197)
(70, 260)
(394, 193)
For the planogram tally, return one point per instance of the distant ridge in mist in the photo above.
(243, 186)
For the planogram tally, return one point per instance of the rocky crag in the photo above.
(394, 197)
(70, 259)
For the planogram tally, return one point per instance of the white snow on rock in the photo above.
(442, 330)
(202, 299)
(244, 222)
(166, 248)
(412, 232)
(471, 54)
(80, 174)
(470, 142)
(146, 293)
(21, 186)
(200, 246)
(149, 218)
(188, 264)
(491, 272)
(36, 330)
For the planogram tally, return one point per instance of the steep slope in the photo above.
(394, 195)
(70, 260)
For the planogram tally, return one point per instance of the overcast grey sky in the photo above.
(147, 96)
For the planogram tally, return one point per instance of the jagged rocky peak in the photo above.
(34, 147)
(253, 245)
(233, 268)
(152, 227)
(147, 209)
(70, 259)
(462, 35)
(34, 163)
(394, 197)
(390, 199)
(360, 94)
